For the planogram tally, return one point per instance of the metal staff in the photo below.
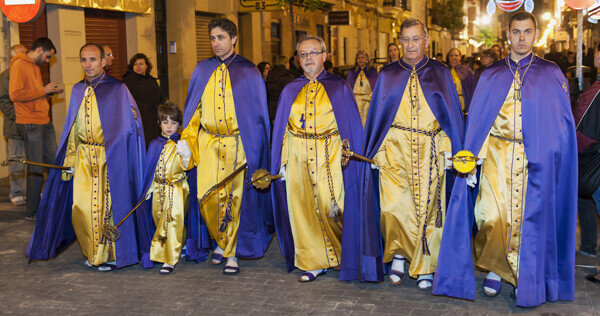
(347, 154)
(111, 232)
(23, 160)
(222, 182)
(261, 179)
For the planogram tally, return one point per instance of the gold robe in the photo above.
(311, 153)
(169, 205)
(412, 182)
(363, 93)
(502, 190)
(459, 90)
(92, 205)
(216, 152)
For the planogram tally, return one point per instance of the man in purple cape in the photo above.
(521, 124)
(123, 145)
(462, 77)
(362, 80)
(226, 122)
(415, 120)
(320, 198)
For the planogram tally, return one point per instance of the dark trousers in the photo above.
(588, 223)
(40, 146)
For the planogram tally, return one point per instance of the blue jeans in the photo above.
(40, 146)
(18, 172)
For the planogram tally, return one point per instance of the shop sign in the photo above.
(259, 5)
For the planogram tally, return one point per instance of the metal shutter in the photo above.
(108, 28)
(203, 47)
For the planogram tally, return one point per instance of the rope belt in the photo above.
(219, 135)
(433, 163)
(92, 144)
(512, 140)
(227, 217)
(335, 211)
(161, 181)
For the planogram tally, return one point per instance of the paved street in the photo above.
(64, 286)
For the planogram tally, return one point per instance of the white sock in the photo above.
(398, 265)
(425, 284)
(313, 272)
(107, 268)
(88, 264)
(492, 276)
(218, 250)
(167, 266)
(232, 262)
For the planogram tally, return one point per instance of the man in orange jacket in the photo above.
(32, 110)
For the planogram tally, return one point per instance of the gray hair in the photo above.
(314, 38)
(410, 22)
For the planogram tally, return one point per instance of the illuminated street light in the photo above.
(485, 20)
(546, 16)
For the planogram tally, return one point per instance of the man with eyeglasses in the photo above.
(414, 122)
(522, 130)
(226, 124)
(109, 57)
(317, 197)
(32, 110)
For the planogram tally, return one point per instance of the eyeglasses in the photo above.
(417, 40)
(109, 55)
(48, 55)
(314, 54)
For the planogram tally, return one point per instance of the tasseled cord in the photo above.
(227, 218)
(335, 211)
(438, 218)
(424, 241)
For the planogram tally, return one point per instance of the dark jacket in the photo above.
(8, 110)
(147, 95)
(277, 79)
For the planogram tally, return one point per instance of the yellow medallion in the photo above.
(464, 161)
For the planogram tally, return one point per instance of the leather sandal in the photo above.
(216, 259)
(310, 277)
(107, 267)
(230, 270)
(399, 274)
(166, 270)
(495, 285)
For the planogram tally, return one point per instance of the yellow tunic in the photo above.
(92, 205)
(169, 204)
(459, 89)
(311, 154)
(362, 93)
(411, 183)
(216, 152)
(502, 189)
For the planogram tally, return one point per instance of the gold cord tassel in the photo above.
(335, 211)
(438, 218)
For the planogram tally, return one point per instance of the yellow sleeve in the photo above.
(70, 153)
(445, 143)
(190, 134)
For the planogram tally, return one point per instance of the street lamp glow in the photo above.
(485, 20)
(546, 16)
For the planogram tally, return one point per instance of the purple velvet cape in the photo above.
(371, 74)
(547, 255)
(442, 98)
(250, 98)
(349, 127)
(124, 143)
(467, 82)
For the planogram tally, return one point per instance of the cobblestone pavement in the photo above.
(64, 286)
